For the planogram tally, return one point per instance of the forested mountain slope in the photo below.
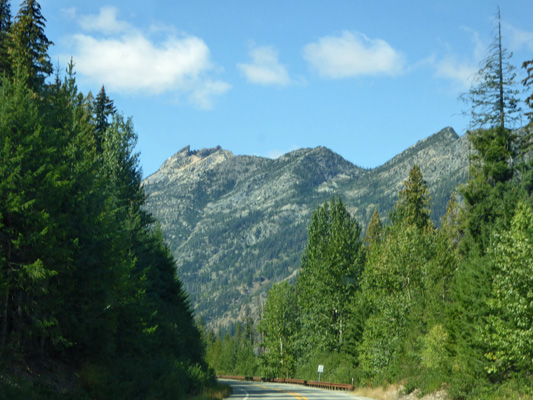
(236, 224)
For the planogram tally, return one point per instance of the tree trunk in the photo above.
(500, 73)
(4, 320)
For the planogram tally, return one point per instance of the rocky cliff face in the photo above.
(236, 224)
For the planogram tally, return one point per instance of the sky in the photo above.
(367, 79)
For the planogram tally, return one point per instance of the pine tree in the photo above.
(413, 201)
(5, 26)
(493, 98)
(103, 109)
(489, 198)
(25, 174)
(29, 45)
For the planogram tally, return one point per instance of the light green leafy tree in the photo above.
(279, 327)
(329, 277)
(397, 282)
(510, 328)
(374, 230)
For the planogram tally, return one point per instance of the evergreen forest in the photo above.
(447, 308)
(90, 304)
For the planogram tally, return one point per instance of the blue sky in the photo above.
(367, 79)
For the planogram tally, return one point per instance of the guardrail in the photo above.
(323, 385)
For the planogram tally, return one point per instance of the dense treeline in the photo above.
(430, 308)
(90, 305)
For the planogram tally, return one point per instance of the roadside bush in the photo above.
(338, 368)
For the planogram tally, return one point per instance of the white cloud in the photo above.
(105, 22)
(350, 55)
(265, 68)
(461, 72)
(127, 60)
(519, 39)
(133, 63)
(202, 95)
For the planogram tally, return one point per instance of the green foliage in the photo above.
(233, 355)
(28, 47)
(5, 26)
(434, 352)
(406, 285)
(279, 328)
(374, 230)
(412, 207)
(509, 332)
(103, 108)
(329, 277)
(490, 196)
(430, 308)
(85, 277)
(394, 283)
(338, 367)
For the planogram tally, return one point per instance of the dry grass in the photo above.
(391, 392)
(396, 392)
(220, 392)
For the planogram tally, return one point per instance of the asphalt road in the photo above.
(280, 391)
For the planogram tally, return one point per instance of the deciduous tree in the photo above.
(329, 277)
(279, 328)
(510, 329)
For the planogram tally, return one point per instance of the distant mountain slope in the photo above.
(236, 224)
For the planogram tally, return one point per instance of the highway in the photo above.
(243, 390)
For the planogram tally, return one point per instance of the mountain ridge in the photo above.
(236, 224)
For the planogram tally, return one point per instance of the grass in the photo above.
(219, 392)
(391, 392)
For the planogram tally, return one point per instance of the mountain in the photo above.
(236, 224)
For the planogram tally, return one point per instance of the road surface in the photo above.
(243, 390)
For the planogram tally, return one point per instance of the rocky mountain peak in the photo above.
(187, 162)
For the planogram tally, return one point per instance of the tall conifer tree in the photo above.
(493, 97)
(29, 44)
(413, 201)
(103, 108)
(5, 26)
